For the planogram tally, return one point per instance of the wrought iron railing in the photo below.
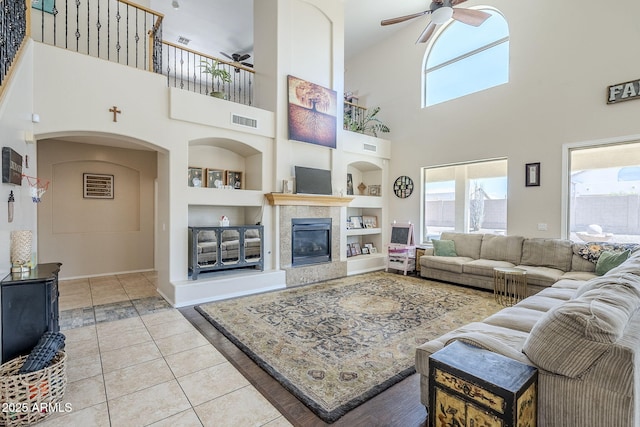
(116, 30)
(13, 33)
(354, 116)
(119, 31)
(184, 69)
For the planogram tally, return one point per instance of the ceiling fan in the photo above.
(240, 59)
(441, 11)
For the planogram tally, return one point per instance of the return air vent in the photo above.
(244, 121)
(370, 147)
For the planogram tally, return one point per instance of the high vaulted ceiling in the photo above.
(215, 26)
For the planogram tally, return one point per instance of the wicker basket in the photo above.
(26, 399)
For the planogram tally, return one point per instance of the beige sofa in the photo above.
(545, 260)
(584, 338)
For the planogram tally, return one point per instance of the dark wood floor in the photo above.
(397, 406)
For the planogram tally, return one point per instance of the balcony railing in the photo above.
(184, 69)
(13, 32)
(129, 34)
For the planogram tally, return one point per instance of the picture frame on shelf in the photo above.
(349, 253)
(195, 177)
(365, 250)
(356, 249)
(215, 178)
(234, 179)
(373, 250)
(374, 190)
(369, 221)
(349, 184)
(368, 245)
(356, 221)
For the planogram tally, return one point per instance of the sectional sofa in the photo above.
(582, 332)
(545, 260)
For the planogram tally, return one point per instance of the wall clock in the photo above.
(403, 186)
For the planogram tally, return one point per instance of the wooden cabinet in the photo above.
(469, 386)
(29, 309)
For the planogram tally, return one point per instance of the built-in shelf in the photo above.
(363, 231)
(288, 199)
(223, 197)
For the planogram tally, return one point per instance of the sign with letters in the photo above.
(623, 92)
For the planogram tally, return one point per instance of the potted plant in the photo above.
(216, 73)
(368, 124)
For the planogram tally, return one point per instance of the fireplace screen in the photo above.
(310, 241)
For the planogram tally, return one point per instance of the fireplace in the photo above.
(310, 241)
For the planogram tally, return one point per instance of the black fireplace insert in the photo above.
(310, 241)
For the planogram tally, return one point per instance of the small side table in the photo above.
(470, 386)
(419, 252)
(509, 285)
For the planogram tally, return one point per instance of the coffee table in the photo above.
(509, 285)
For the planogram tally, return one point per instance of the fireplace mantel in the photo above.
(288, 199)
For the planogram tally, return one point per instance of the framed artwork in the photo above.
(356, 222)
(234, 179)
(43, 5)
(349, 184)
(374, 190)
(215, 178)
(97, 186)
(11, 166)
(373, 250)
(313, 113)
(365, 250)
(532, 174)
(195, 177)
(349, 253)
(370, 221)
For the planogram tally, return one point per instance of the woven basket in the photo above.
(26, 399)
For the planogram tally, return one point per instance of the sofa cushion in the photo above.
(252, 233)
(570, 283)
(571, 337)
(578, 263)
(609, 260)
(552, 253)
(579, 276)
(540, 303)
(206, 236)
(484, 267)
(517, 317)
(541, 276)
(444, 248)
(467, 245)
(447, 263)
(205, 247)
(502, 248)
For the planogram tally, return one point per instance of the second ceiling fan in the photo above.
(441, 11)
(240, 59)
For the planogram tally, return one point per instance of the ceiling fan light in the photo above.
(441, 15)
(175, 4)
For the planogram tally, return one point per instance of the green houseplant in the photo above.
(368, 124)
(216, 73)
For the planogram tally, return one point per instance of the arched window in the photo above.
(464, 59)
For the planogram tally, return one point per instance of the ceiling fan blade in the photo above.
(243, 57)
(228, 56)
(470, 16)
(246, 64)
(427, 33)
(403, 18)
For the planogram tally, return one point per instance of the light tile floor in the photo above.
(133, 360)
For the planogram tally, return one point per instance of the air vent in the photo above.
(183, 40)
(370, 147)
(244, 121)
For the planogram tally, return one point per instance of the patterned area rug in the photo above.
(336, 344)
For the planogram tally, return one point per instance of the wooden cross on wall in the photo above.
(115, 112)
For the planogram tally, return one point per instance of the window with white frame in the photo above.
(464, 59)
(604, 193)
(465, 197)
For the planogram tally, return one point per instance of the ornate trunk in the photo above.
(472, 387)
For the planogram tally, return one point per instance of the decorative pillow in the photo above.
(608, 260)
(591, 251)
(444, 248)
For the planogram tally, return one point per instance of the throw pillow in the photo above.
(444, 248)
(608, 260)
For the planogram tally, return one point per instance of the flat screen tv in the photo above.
(312, 181)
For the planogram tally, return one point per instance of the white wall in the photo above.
(561, 62)
(16, 107)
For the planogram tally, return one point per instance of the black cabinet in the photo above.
(29, 309)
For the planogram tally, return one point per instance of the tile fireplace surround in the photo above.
(302, 206)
